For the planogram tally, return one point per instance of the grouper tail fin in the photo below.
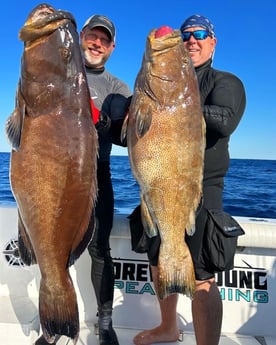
(177, 274)
(58, 312)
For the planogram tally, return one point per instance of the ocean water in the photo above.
(250, 187)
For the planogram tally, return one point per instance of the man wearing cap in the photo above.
(223, 103)
(109, 102)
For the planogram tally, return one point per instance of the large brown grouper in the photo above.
(165, 133)
(53, 162)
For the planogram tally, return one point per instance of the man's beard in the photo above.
(92, 61)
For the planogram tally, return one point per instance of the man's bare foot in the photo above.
(156, 335)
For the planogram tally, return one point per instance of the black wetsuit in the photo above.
(109, 95)
(223, 102)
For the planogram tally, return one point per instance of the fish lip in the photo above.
(44, 19)
(47, 14)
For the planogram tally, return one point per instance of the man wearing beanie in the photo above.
(223, 103)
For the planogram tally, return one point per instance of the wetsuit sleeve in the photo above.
(225, 104)
(118, 109)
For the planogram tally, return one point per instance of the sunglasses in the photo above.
(198, 35)
(91, 36)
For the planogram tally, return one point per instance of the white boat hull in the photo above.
(248, 291)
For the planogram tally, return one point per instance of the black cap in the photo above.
(103, 21)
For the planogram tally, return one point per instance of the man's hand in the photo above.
(104, 123)
(101, 120)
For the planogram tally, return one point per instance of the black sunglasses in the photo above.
(198, 35)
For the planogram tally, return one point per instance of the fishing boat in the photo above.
(248, 291)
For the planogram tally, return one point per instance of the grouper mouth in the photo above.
(43, 20)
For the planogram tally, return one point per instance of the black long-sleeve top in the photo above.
(110, 95)
(223, 100)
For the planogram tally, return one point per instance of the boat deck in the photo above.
(125, 336)
(25, 332)
(88, 336)
(19, 325)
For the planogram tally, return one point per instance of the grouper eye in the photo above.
(65, 54)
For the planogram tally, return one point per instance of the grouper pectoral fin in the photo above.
(14, 123)
(124, 130)
(143, 122)
(24, 244)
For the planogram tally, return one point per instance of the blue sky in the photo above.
(246, 47)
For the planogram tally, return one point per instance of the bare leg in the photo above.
(168, 330)
(207, 312)
(207, 316)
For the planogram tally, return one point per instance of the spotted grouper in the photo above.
(165, 133)
(53, 162)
